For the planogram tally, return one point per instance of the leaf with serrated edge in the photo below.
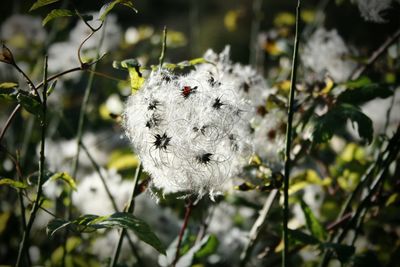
(40, 3)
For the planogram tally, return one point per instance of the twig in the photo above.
(164, 48)
(382, 164)
(257, 227)
(79, 134)
(255, 28)
(289, 142)
(189, 208)
(8, 122)
(36, 204)
(376, 54)
(130, 209)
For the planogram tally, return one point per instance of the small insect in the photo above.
(153, 105)
(162, 141)
(217, 103)
(204, 158)
(188, 90)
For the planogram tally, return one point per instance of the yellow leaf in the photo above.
(136, 78)
(307, 15)
(284, 19)
(121, 160)
(231, 19)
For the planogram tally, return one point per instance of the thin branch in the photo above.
(257, 227)
(37, 203)
(164, 47)
(130, 209)
(289, 129)
(376, 54)
(9, 120)
(189, 208)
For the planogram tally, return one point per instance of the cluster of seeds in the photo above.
(193, 132)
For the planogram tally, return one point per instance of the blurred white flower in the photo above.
(269, 138)
(325, 53)
(114, 104)
(60, 153)
(377, 111)
(91, 196)
(373, 10)
(191, 132)
(64, 55)
(231, 236)
(22, 31)
(132, 35)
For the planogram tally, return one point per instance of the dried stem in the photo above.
(376, 54)
(36, 205)
(189, 208)
(257, 227)
(164, 47)
(289, 142)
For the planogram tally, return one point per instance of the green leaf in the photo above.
(298, 237)
(207, 244)
(40, 3)
(8, 85)
(13, 183)
(8, 91)
(105, 9)
(337, 117)
(30, 103)
(313, 225)
(64, 177)
(208, 248)
(360, 82)
(364, 94)
(88, 223)
(343, 252)
(56, 13)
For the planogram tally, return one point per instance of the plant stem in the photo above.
(189, 208)
(37, 203)
(289, 129)
(255, 28)
(163, 48)
(130, 209)
(376, 54)
(81, 123)
(257, 227)
(382, 164)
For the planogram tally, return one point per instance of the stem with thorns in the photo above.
(289, 129)
(37, 203)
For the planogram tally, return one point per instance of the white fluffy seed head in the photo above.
(327, 53)
(191, 132)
